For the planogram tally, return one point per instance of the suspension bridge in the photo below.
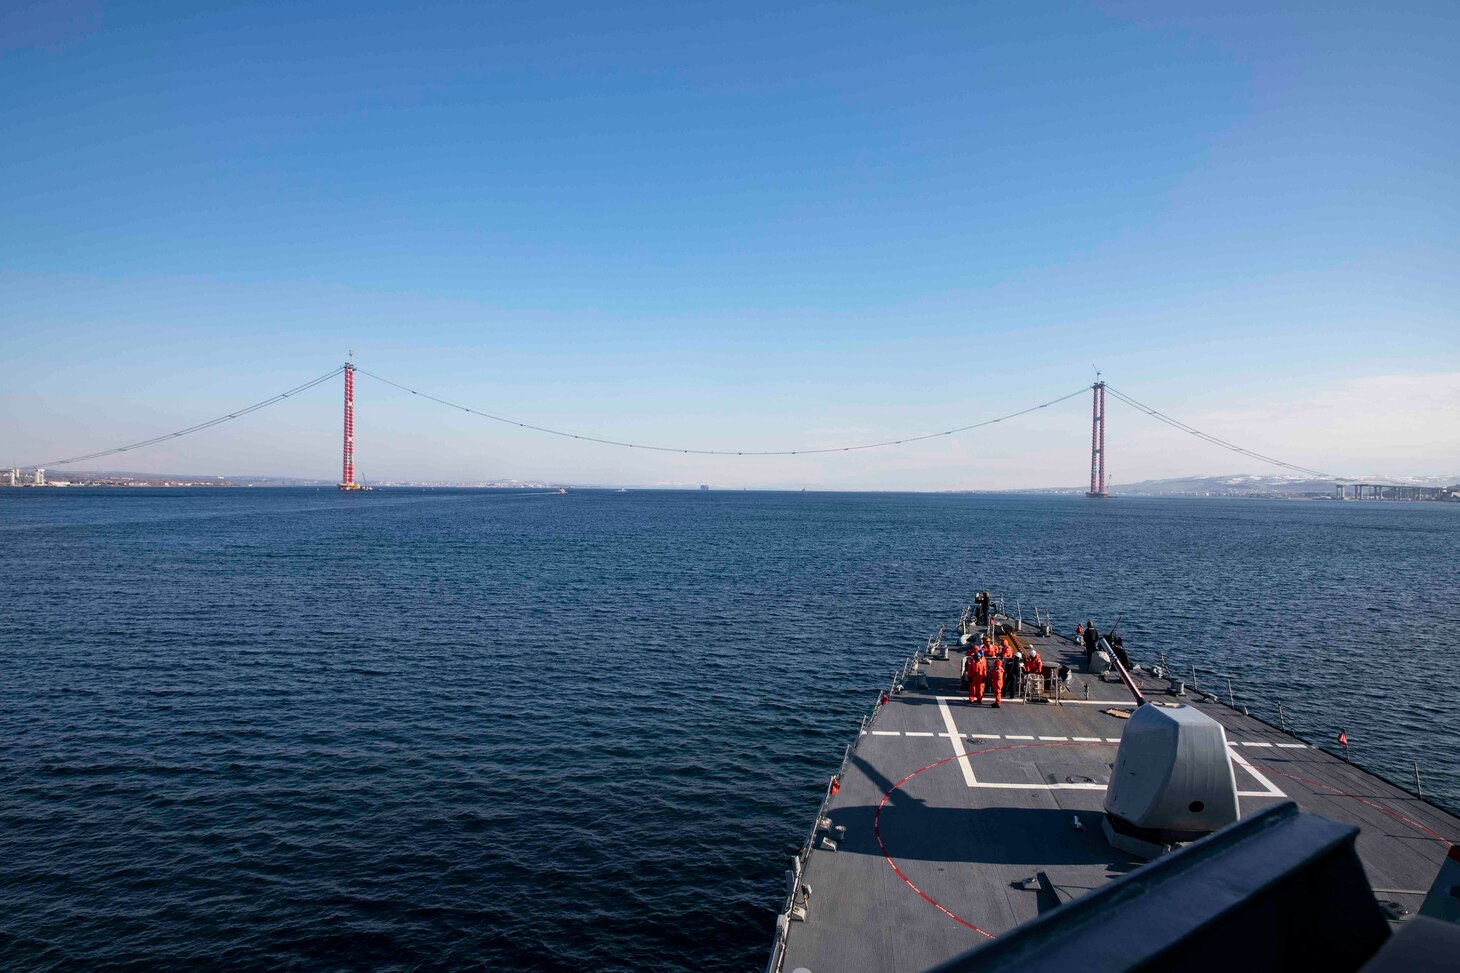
(1098, 390)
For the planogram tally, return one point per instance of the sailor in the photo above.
(1092, 639)
(1015, 671)
(968, 660)
(977, 676)
(1079, 632)
(996, 676)
(1033, 664)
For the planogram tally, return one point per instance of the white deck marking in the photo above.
(1112, 739)
(1055, 738)
(1040, 787)
(1063, 702)
(1080, 787)
(1294, 746)
(1012, 736)
(887, 733)
(919, 733)
(984, 736)
(1086, 739)
(963, 762)
(1253, 743)
(1257, 776)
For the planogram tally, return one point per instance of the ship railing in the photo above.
(821, 823)
(1257, 707)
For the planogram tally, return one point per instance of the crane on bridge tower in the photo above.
(1097, 439)
(347, 479)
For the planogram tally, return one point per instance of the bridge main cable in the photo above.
(1207, 437)
(199, 427)
(720, 452)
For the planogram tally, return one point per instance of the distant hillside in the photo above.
(1251, 484)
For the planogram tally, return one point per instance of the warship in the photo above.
(1108, 815)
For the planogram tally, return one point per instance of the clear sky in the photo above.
(733, 225)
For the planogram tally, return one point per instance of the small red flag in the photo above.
(1342, 738)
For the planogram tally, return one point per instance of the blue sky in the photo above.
(733, 226)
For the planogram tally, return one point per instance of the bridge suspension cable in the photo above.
(721, 452)
(1178, 424)
(200, 426)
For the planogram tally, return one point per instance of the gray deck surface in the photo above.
(967, 831)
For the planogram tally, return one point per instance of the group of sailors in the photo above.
(987, 668)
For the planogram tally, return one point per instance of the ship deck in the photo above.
(961, 819)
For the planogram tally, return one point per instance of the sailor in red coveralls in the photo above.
(978, 669)
(996, 677)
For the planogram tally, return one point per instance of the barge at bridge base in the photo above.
(955, 835)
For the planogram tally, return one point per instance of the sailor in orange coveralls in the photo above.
(978, 671)
(1033, 664)
(996, 676)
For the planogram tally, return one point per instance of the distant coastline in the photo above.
(1233, 486)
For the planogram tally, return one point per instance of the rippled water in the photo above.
(428, 730)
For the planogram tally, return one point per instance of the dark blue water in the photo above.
(255, 728)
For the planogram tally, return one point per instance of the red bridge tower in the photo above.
(347, 480)
(1097, 441)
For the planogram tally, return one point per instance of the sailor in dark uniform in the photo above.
(1092, 639)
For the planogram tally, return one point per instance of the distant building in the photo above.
(40, 476)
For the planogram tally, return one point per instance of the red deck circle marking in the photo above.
(877, 822)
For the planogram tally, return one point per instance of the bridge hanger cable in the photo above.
(721, 452)
(200, 426)
(1178, 424)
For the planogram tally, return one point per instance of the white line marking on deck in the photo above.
(1011, 736)
(1086, 739)
(1253, 743)
(963, 763)
(1294, 746)
(1257, 776)
(984, 736)
(1064, 702)
(1041, 787)
(919, 733)
(887, 733)
(1055, 738)
(1112, 739)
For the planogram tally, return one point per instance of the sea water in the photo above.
(516, 730)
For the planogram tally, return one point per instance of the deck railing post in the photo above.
(1418, 792)
(1231, 699)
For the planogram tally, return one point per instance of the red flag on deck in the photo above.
(1342, 738)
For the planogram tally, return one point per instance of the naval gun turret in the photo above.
(1173, 780)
